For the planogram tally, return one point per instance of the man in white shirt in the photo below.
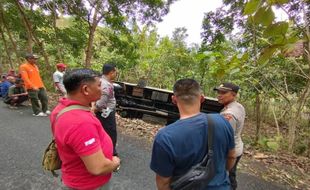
(58, 78)
(233, 112)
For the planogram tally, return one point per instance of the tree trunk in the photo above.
(6, 48)
(295, 115)
(89, 49)
(258, 117)
(306, 92)
(2, 20)
(13, 43)
(202, 79)
(29, 43)
(28, 29)
(258, 101)
(92, 29)
(59, 56)
(32, 36)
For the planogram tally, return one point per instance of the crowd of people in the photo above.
(84, 127)
(15, 89)
(84, 146)
(12, 91)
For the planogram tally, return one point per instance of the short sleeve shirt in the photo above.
(183, 144)
(235, 114)
(79, 133)
(107, 99)
(58, 78)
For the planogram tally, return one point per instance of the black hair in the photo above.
(74, 78)
(107, 68)
(18, 81)
(187, 90)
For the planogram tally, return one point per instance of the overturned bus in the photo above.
(152, 104)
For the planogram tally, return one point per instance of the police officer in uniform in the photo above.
(234, 112)
(105, 106)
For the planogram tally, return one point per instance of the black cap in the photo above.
(107, 68)
(31, 56)
(226, 86)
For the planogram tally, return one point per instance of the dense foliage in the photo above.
(243, 42)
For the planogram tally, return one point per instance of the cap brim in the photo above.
(32, 57)
(221, 89)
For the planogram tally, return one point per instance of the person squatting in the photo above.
(86, 135)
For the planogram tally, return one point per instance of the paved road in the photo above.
(24, 137)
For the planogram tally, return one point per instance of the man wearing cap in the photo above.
(34, 85)
(58, 78)
(105, 106)
(233, 112)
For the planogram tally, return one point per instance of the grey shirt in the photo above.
(235, 114)
(107, 99)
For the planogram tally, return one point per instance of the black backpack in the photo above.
(198, 177)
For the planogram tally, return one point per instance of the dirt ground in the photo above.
(279, 166)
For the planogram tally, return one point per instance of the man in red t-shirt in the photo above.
(85, 149)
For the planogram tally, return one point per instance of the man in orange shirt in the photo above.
(34, 85)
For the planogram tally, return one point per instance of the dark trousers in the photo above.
(36, 96)
(19, 100)
(109, 125)
(233, 174)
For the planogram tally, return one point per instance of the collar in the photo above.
(105, 78)
(32, 65)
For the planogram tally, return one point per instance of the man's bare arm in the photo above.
(16, 95)
(98, 164)
(163, 183)
(231, 159)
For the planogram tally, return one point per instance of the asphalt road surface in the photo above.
(23, 138)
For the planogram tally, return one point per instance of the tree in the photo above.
(265, 43)
(281, 39)
(114, 14)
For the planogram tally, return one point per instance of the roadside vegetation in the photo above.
(243, 42)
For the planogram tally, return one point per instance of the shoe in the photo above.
(48, 112)
(13, 107)
(41, 114)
